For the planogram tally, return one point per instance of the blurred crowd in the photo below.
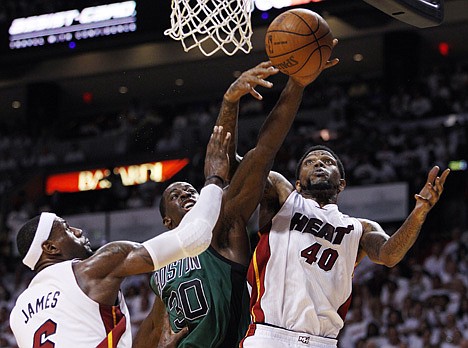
(381, 136)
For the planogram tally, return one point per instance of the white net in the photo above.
(212, 25)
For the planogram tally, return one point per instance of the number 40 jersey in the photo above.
(300, 275)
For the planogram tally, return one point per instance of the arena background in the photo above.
(94, 128)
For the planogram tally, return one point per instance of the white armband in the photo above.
(193, 235)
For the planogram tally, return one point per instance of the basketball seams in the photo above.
(299, 34)
(288, 32)
(300, 44)
(306, 61)
(296, 49)
(319, 48)
(306, 23)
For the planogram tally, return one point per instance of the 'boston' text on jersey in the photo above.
(175, 269)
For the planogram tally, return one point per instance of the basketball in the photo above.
(299, 42)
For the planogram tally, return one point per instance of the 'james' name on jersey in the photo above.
(41, 303)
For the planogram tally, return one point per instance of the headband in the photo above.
(42, 234)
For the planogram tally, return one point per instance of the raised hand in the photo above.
(217, 159)
(306, 80)
(250, 79)
(430, 193)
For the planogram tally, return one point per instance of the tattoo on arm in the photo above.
(127, 258)
(227, 118)
(387, 250)
(402, 240)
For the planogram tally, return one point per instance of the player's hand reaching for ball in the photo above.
(306, 80)
(217, 159)
(250, 79)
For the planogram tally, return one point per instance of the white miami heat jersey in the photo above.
(301, 272)
(54, 312)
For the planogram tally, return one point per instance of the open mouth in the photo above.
(188, 204)
(87, 243)
(319, 173)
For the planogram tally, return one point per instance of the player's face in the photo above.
(319, 171)
(179, 198)
(71, 241)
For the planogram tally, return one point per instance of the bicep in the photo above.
(372, 240)
(120, 259)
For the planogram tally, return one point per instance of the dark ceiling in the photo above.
(150, 65)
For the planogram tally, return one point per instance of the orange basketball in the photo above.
(299, 42)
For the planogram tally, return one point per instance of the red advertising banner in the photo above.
(97, 179)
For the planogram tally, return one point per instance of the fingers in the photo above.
(261, 72)
(433, 188)
(227, 140)
(331, 63)
(264, 70)
(255, 94)
(218, 140)
(249, 79)
(438, 185)
(216, 135)
(334, 61)
(443, 177)
(432, 175)
(181, 334)
(436, 181)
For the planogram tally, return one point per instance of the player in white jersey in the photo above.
(301, 271)
(222, 318)
(54, 306)
(74, 300)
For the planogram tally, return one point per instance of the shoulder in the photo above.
(369, 225)
(278, 187)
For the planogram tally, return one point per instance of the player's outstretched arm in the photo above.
(193, 235)
(101, 274)
(247, 185)
(228, 114)
(389, 251)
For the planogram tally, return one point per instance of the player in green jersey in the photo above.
(208, 293)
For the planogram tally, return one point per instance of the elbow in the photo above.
(389, 260)
(197, 238)
(390, 264)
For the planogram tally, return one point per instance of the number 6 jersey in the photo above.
(54, 312)
(300, 275)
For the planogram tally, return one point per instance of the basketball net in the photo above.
(212, 25)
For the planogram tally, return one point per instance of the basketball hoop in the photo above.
(212, 25)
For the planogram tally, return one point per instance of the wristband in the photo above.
(215, 176)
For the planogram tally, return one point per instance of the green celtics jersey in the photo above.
(208, 294)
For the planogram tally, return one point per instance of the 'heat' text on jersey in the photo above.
(318, 228)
